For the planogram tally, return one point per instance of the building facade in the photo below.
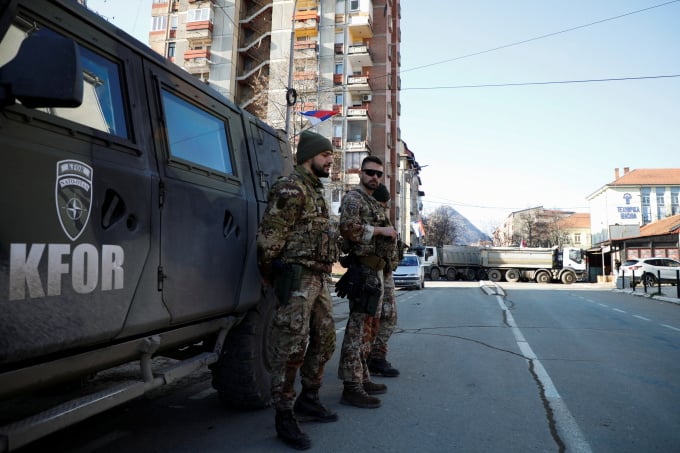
(277, 59)
(635, 198)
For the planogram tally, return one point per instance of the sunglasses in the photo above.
(370, 172)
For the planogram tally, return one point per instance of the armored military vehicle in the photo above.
(131, 196)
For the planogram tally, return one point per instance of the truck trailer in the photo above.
(512, 264)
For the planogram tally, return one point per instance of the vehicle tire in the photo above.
(434, 274)
(451, 274)
(568, 278)
(470, 274)
(512, 275)
(543, 277)
(241, 375)
(482, 275)
(648, 279)
(495, 275)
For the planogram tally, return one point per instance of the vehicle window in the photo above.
(195, 135)
(102, 107)
(575, 256)
(409, 261)
(672, 263)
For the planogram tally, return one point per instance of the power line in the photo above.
(578, 27)
(556, 82)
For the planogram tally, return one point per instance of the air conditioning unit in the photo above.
(367, 97)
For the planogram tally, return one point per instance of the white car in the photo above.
(409, 273)
(649, 270)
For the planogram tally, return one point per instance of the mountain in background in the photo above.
(468, 234)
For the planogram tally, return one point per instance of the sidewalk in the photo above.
(669, 293)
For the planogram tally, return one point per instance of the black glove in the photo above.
(349, 284)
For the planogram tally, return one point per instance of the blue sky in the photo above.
(493, 150)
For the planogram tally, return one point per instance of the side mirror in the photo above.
(46, 72)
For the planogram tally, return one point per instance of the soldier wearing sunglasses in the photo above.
(370, 240)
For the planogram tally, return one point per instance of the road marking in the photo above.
(641, 317)
(603, 305)
(619, 310)
(565, 424)
(671, 327)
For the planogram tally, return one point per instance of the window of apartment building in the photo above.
(645, 193)
(338, 101)
(353, 159)
(675, 200)
(196, 15)
(159, 23)
(160, 1)
(660, 203)
(354, 5)
(577, 238)
(171, 49)
(174, 20)
(338, 68)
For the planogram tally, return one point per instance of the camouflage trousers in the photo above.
(302, 338)
(388, 319)
(356, 345)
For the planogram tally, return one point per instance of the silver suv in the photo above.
(650, 270)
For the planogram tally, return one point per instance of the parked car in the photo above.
(410, 273)
(648, 270)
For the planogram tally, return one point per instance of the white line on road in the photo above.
(564, 422)
(671, 327)
(641, 317)
(603, 305)
(619, 310)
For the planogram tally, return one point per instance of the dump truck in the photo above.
(131, 196)
(466, 262)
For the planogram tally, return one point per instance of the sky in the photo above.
(487, 151)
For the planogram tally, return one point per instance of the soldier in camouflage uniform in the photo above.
(377, 362)
(369, 238)
(296, 250)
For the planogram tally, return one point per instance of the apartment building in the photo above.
(278, 58)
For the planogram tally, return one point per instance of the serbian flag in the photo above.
(317, 116)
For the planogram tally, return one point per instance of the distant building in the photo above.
(533, 227)
(634, 199)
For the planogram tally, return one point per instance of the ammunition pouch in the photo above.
(287, 280)
(367, 300)
(372, 261)
(361, 285)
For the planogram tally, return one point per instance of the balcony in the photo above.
(357, 111)
(359, 56)
(355, 82)
(199, 30)
(196, 61)
(360, 25)
(196, 53)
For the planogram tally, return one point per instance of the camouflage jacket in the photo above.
(360, 213)
(296, 228)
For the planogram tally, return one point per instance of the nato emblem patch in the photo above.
(73, 193)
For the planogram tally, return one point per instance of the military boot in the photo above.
(381, 367)
(355, 395)
(289, 431)
(309, 408)
(373, 388)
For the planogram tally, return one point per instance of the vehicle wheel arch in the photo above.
(242, 374)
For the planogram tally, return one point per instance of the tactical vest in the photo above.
(312, 239)
(374, 215)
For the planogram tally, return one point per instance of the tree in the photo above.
(441, 227)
